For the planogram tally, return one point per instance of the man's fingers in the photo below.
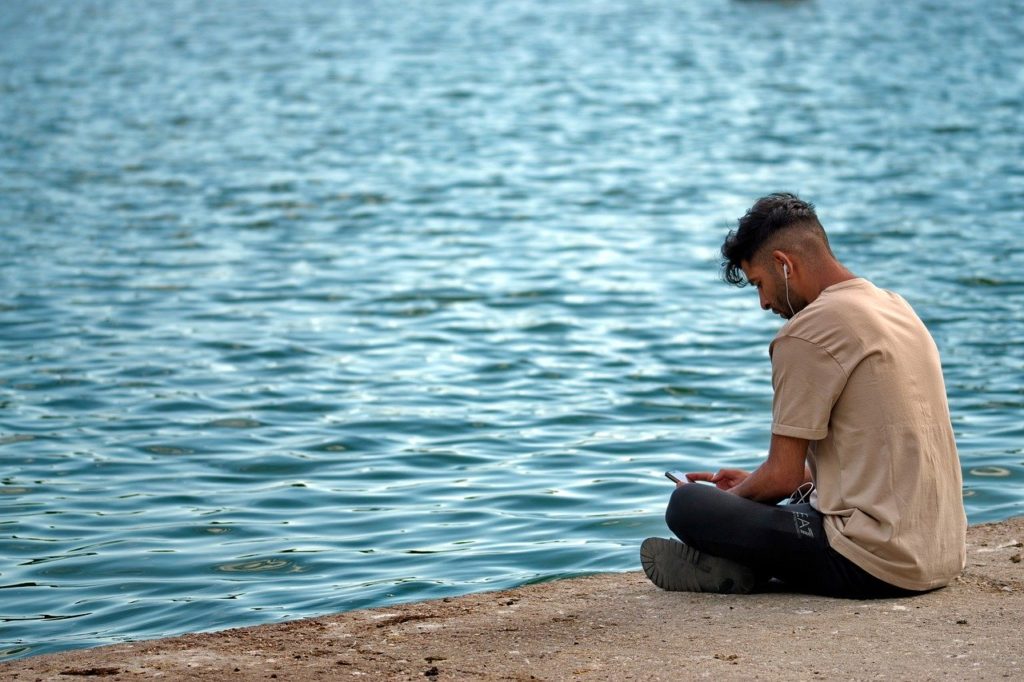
(699, 476)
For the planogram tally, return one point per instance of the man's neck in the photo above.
(832, 272)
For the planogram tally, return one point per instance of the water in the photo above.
(307, 307)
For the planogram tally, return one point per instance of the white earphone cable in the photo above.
(785, 271)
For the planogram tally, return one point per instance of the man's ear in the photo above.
(783, 261)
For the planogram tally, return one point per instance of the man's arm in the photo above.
(782, 473)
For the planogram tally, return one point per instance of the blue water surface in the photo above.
(312, 306)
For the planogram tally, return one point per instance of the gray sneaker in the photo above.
(673, 566)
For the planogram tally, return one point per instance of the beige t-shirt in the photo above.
(857, 373)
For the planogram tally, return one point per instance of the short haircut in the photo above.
(769, 217)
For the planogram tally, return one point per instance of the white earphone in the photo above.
(785, 271)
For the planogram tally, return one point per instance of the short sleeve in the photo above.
(807, 381)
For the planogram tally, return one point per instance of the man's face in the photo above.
(771, 288)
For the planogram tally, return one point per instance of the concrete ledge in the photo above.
(612, 627)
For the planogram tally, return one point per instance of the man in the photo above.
(859, 411)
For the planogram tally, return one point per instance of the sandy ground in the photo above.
(612, 627)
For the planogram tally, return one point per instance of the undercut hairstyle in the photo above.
(770, 221)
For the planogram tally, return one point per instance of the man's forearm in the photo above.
(784, 471)
(765, 485)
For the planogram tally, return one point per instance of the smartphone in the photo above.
(677, 476)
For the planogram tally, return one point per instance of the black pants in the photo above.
(786, 542)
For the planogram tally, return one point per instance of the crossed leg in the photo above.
(786, 542)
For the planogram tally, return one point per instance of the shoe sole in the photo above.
(676, 567)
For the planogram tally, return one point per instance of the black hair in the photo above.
(766, 218)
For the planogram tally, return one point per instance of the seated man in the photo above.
(859, 411)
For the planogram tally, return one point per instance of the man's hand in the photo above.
(725, 479)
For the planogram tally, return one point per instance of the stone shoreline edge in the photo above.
(611, 627)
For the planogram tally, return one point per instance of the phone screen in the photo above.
(677, 476)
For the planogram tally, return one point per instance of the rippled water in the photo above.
(307, 307)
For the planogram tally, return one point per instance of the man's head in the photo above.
(780, 247)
